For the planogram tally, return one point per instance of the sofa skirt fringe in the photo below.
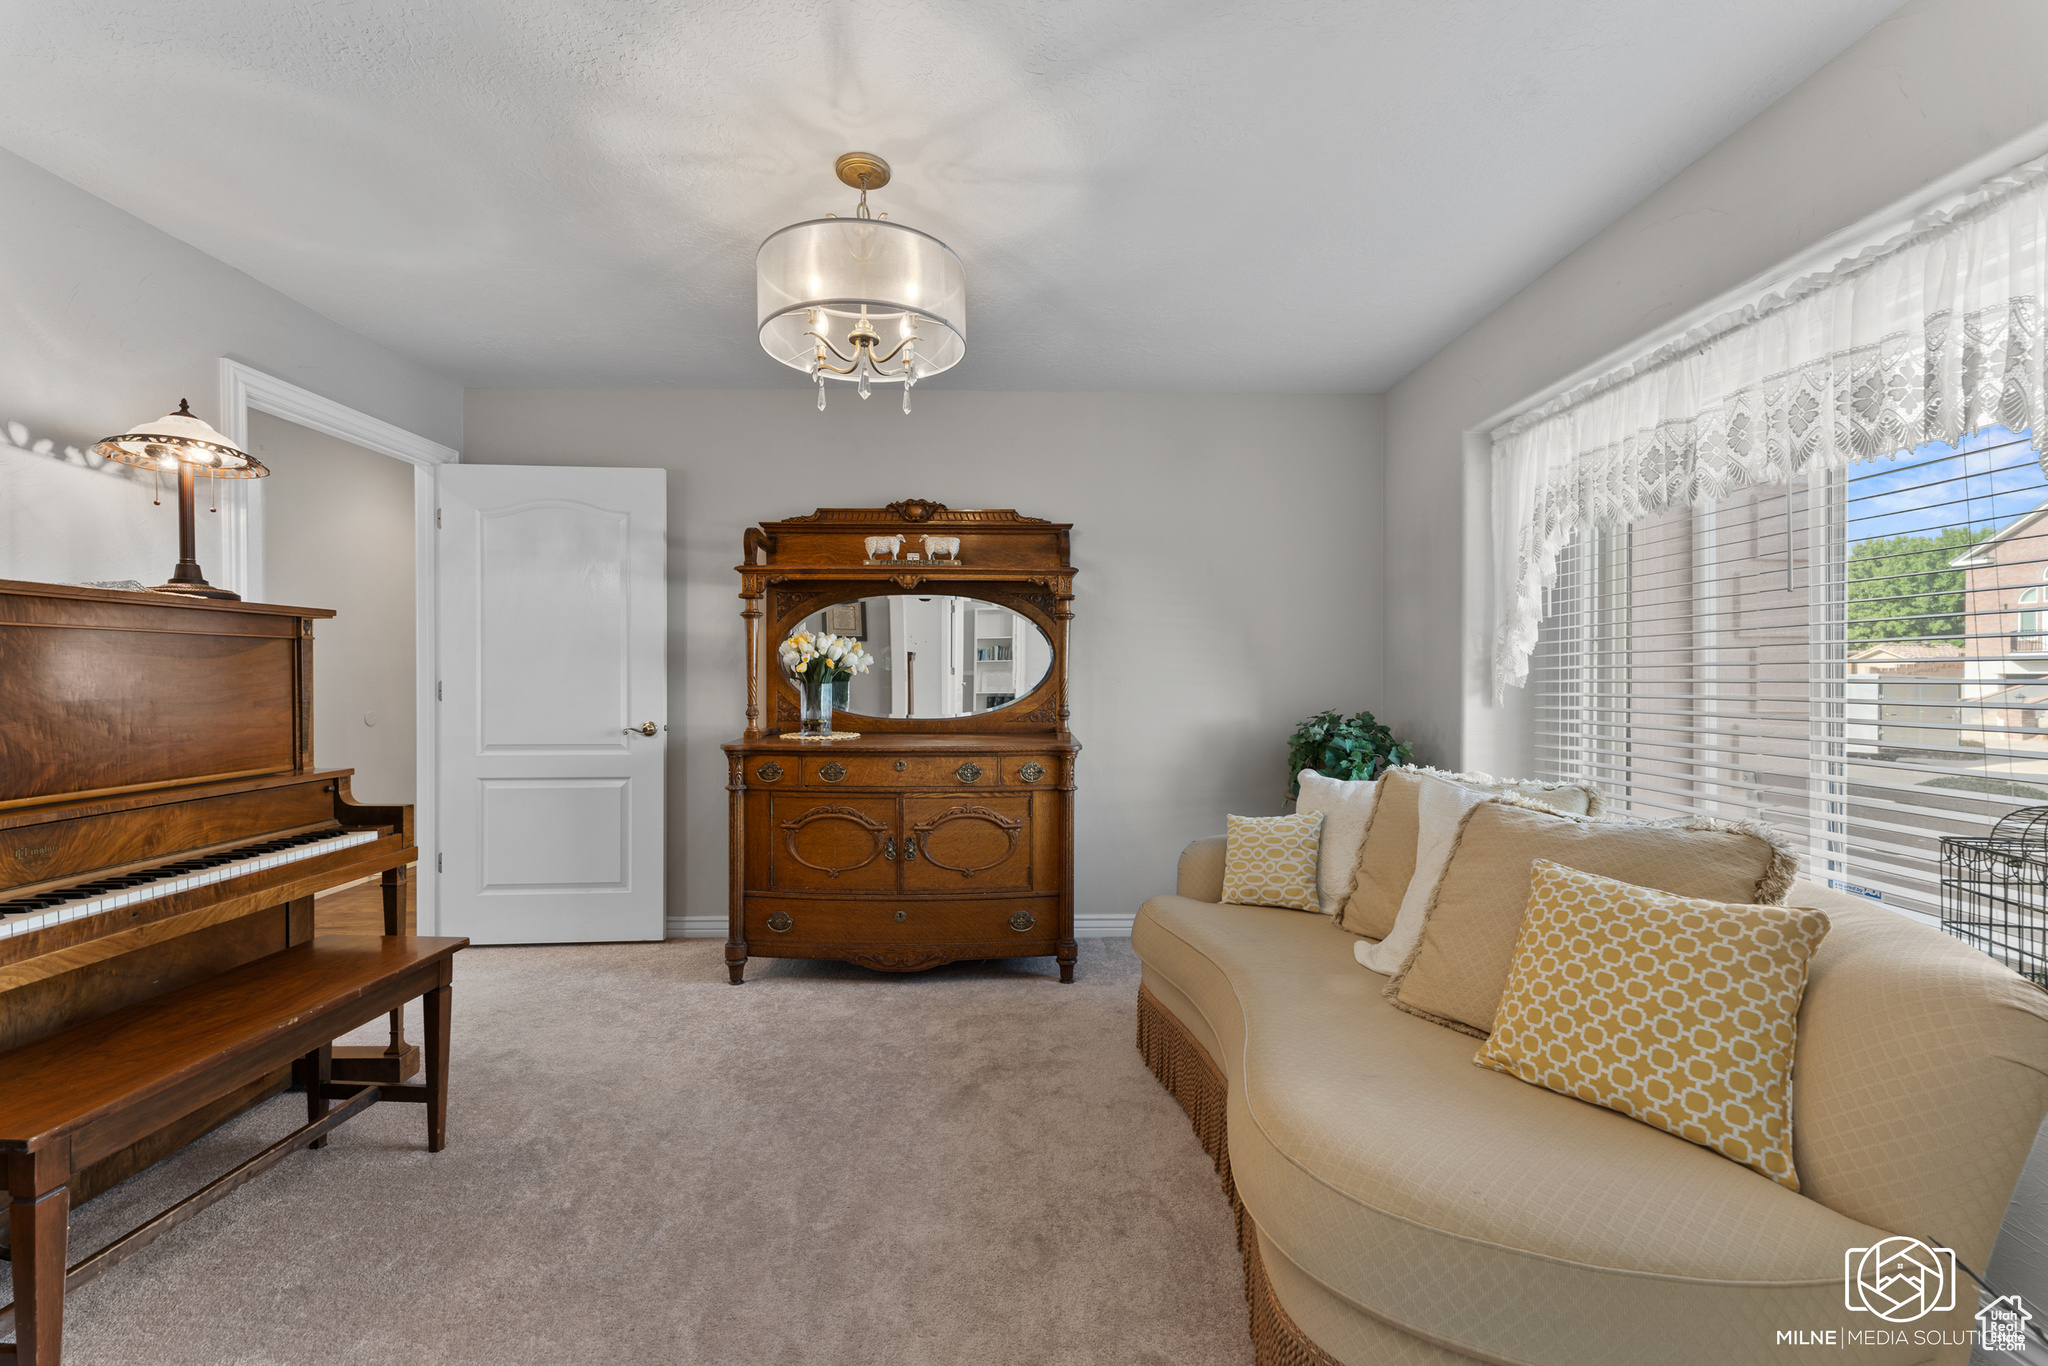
(1193, 1079)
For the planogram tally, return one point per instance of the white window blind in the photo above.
(1856, 659)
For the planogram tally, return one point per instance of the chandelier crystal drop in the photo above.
(861, 299)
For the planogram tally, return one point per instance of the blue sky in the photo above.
(1985, 480)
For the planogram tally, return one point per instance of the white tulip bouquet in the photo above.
(819, 660)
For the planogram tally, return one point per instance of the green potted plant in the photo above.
(1356, 748)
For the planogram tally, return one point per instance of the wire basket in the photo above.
(1994, 891)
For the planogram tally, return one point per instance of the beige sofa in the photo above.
(1398, 1204)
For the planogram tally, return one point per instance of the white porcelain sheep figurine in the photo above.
(942, 547)
(891, 545)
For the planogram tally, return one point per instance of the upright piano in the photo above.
(162, 821)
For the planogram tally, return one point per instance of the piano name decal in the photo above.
(29, 855)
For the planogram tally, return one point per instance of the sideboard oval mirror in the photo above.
(934, 655)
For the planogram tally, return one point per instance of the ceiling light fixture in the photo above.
(895, 297)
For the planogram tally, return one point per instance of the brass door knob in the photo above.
(646, 728)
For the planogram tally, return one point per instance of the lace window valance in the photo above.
(1929, 336)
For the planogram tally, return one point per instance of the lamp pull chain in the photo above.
(156, 476)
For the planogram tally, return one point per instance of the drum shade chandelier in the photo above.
(861, 299)
(181, 442)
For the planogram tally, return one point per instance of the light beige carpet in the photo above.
(646, 1164)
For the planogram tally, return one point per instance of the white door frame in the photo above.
(242, 389)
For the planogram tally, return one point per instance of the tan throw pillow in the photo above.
(1460, 963)
(1346, 806)
(1680, 1012)
(1386, 854)
(1271, 861)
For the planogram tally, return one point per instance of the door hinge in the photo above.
(437, 690)
(437, 519)
(438, 865)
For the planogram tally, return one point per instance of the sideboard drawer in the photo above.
(908, 770)
(789, 925)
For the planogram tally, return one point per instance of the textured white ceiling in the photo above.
(1148, 195)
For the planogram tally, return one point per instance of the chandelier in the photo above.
(861, 299)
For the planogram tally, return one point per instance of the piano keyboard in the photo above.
(149, 884)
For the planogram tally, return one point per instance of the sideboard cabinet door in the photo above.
(981, 843)
(832, 844)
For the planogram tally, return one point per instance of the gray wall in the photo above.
(338, 532)
(1938, 84)
(109, 322)
(1229, 575)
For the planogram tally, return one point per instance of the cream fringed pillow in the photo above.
(1346, 807)
(1271, 861)
(1679, 1012)
(1456, 971)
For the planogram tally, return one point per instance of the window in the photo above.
(1833, 656)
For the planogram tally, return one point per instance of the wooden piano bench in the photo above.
(71, 1098)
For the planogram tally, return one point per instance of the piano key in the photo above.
(72, 903)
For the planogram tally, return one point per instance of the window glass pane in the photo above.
(1843, 657)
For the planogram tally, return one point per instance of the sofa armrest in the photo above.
(1201, 870)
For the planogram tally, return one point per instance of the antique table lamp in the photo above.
(183, 443)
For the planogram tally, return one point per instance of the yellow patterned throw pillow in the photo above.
(1271, 861)
(1679, 1012)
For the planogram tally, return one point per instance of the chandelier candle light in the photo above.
(817, 663)
(183, 443)
(861, 299)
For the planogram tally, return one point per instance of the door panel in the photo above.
(981, 843)
(832, 844)
(553, 570)
(553, 626)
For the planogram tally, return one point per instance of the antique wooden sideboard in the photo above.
(945, 830)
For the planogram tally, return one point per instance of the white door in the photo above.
(553, 625)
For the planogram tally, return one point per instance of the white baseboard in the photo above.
(1103, 926)
(697, 926)
(714, 926)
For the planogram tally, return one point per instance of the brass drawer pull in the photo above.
(889, 847)
(1031, 773)
(832, 773)
(968, 772)
(909, 848)
(1022, 921)
(780, 922)
(769, 771)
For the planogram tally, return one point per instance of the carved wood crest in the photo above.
(900, 960)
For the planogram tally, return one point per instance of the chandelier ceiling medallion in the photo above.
(861, 299)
